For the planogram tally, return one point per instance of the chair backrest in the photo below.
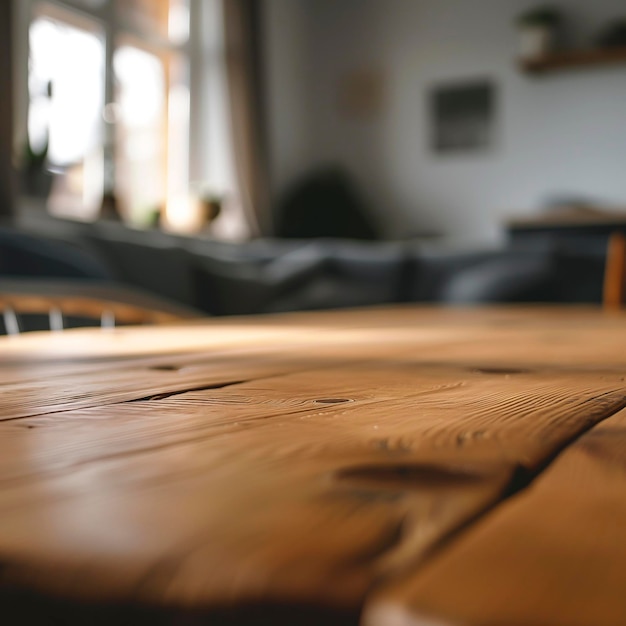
(52, 303)
(615, 272)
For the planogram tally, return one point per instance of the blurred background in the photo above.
(254, 140)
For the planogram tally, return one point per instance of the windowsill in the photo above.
(32, 214)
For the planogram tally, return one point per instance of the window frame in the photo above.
(115, 29)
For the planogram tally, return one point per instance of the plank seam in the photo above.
(521, 479)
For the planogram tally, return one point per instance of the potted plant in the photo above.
(212, 204)
(537, 28)
(208, 201)
(36, 179)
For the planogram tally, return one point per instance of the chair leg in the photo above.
(11, 323)
(56, 319)
(107, 319)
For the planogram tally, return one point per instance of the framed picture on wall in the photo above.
(462, 116)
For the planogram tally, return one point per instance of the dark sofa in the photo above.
(266, 276)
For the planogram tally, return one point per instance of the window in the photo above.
(108, 106)
(66, 90)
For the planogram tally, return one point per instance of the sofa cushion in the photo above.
(24, 254)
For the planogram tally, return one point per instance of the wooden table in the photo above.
(384, 467)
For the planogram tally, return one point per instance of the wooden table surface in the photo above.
(386, 467)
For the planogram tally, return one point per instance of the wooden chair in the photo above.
(107, 304)
(615, 272)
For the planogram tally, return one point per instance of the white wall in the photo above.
(287, 46)
(559, 134)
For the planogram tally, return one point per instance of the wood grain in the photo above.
(282, 497)
(555, 554)
(573, 337)
(280, 468)
(129, 383)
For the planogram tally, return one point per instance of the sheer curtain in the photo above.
(242, 39)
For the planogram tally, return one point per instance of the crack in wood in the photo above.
(520, 479)
(171, 394)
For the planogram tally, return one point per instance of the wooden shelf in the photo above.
(574, 59)
(570, 217)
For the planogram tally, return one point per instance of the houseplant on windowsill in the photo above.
(36, 180)
(211, 203)
(537, 31)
